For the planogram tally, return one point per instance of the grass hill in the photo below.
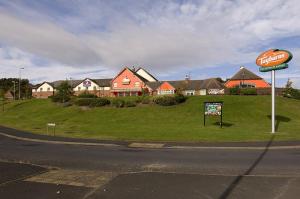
(246, 118)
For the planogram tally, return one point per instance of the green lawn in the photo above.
(245, 117)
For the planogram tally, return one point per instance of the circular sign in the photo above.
(273, 57)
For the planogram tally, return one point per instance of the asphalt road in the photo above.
(70, 171)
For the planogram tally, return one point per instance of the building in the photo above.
(131, 82)
(43, 90)
(8, 95)
(187, 87)
(99, 87)
(246, 79)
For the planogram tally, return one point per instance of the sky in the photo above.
(63, 39)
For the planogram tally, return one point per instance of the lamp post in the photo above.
(14, 89)
(20, 81)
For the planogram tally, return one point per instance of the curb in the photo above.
(149, 145)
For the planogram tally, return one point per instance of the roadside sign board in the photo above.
(272, 60)
(213, 109)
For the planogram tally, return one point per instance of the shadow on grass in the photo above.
(279, 118)
(238, 179)
(224, 124)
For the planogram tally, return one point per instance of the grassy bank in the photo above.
(246, 118)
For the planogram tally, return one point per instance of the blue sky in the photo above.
(210, 38)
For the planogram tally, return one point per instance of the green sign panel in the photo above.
(213, 109)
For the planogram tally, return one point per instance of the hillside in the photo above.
(246, 118)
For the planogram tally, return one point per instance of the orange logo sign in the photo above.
(273, 57)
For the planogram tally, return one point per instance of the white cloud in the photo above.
(160, 35)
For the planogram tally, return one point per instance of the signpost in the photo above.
(53, 125)
(213, 109)
(272, 60)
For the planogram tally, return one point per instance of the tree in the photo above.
(290, 92)
(8, 84)
(64, 92)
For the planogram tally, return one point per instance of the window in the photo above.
(247, 85)
(41, 89)
(126, 81)
(190, 92)
(137, 84)
(48, 89)
(115, 84)
(127, 93)
(166, 92)
(79, 88)
(95, 88)
(120, 94)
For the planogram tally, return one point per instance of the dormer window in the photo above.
(137, 84)
(126, 81)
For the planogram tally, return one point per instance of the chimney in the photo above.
(133, 68)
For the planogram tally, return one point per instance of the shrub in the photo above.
(146, 100)
(234, 91)
(118, 102)
(130, 103)
(87, 95)
(84, 101)
(179, 98)
(165, 100)
(60, 98)
(97, 102)
(248, 91)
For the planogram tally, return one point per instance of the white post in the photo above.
(273, 101)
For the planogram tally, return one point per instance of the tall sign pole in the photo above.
(273, 101)
(272, 60)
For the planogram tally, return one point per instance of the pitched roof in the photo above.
(103, 82)
(153, 85)
(211, 83)
(245, 74)
(72, 82)
(140, 68)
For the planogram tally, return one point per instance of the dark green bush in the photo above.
(97, 102)
(87, 95)
(118, 102)
(92, 102)
(84, 101)
(234, 91)
(130, 103)
(165, 100)
(146, 100)
(60, 98)
(291, 93)
(179, 98)
(248, 91)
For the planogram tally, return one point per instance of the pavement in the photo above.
(31, 168)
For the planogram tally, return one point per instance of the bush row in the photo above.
(243, 91)
(92, 102)
(120, 102)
